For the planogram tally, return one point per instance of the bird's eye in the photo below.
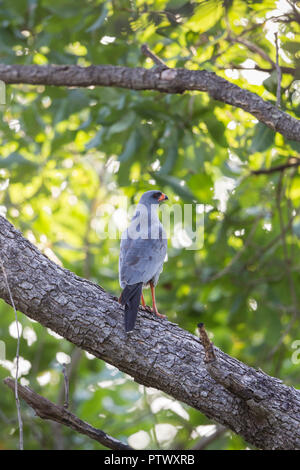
(156, 195)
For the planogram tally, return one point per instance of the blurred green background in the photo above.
(65, 153)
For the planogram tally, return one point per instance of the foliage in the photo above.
(67, 153)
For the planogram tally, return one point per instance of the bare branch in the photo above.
(259, 254)
(287, 259)
(279, 75)
(207, 344)
(239, 253)
(287, 70)
(162, 80)
(252, 47)
(292, 162)
(45, 409)
(66, 384)
(146, 51)
(207, 440)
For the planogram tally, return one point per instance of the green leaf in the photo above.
(263, 138)
(99, 22)
(176, 184)
(216, 129)
(295, 145)
(203, 187)
(271, 83)
(171, 152)
(292, 46)
(96, 141)
(131, 146)
(123, 124)
(20, 167)
(171, 157)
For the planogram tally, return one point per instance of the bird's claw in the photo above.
(158, 314)
(147, 308)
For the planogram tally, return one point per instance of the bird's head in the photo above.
(153, 197)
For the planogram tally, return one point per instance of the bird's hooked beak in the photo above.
(163, 197)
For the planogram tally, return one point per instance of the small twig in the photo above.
(288, 269)
(45, 409)
(239, 253)
(154, 419)
(72, 369)
(66, 382)
(231, 66)
(207, 440)
(146, 51)
(20, 422)
(279, 73)
(259, 254)
(252, 47)
(287, 259)
(207, 344)
(292, 162)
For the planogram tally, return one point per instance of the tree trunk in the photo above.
(157, 353)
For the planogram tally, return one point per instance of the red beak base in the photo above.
(163, 197)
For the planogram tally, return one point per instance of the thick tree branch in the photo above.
(157, 353)
(45, 409)
(162, 80)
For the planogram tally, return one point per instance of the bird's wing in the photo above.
(124, 247)
(141, 259)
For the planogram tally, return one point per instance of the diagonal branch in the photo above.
(205, 441)
(46, 409)
(148, 53)
(252, 47)
(291, 163)
(279, 73)
(284, 69)
(158, 79)
(157, 353)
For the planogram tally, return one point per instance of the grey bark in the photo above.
(159, 79)
(157, 353)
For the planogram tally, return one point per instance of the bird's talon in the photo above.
(160, 315)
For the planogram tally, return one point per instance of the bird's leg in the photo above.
(154, 303)
(146, 307)
(119, 299)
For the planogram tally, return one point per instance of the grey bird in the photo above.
(142, 253)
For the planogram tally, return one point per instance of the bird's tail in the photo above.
(131, 297)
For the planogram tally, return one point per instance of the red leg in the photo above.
(154, 303)
(143, 301)
(119, 299)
